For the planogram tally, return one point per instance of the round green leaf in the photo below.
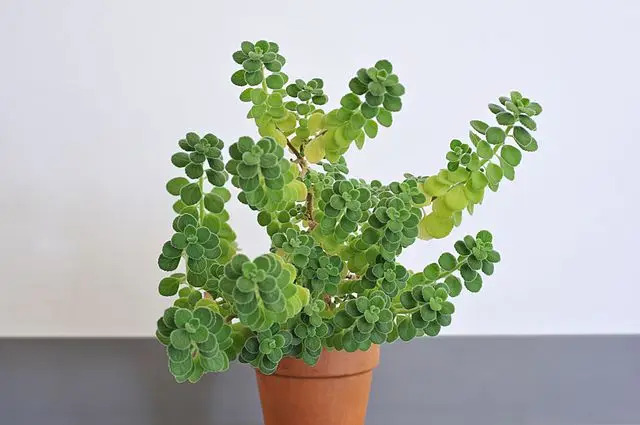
(190, 194)
(454, 285)
(168, 286)
(511, 155)
(180, 159)
(384, 118)
(238, 78)
(494, 173)
(447, 261)
(406, 330)
(350, 101)
(180, 339)
(495, 135)
(213, 203)
(371, 129)
(168, 264)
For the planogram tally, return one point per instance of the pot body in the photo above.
(333, 392)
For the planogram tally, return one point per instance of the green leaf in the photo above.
(505, 118)
(431, 271)
(479, 126)
(175, 184)
(369, 111)
(396, 90)
(455, 199)
(358, 120)
(190, 194)
(376, 89)
(258, 96)
(537, 109)
(180, 339)
(168, 286)
(522, 136)
(447, 261)
(495, 108)
(511, 155)
(213, 203)
(180, 159)
(478, 180)
(406, 330)
(532, 146)
(384, 64)
(494, 173)
(357, 87)
(495, 135)
(193, 170)
(384, 118)
(484, 149)
(474, 285)
(350, 101)
(392, 103)
(343, 320)
(238, 78)
(275, 81)
(527, 122)
(436, 227)
(371, 128)
(168, 264)
(454, 285)
(180, 369)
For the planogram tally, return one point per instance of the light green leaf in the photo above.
(479, 126)
(371, 128)
(484, 149)
(384, 118)
(494, 173)
(511, 155)
(495, 135)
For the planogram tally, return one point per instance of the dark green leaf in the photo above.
(174, 185)
(505, 118)
(406, 330)
(168, 286)
(238, 78)
(447, 261)
(190, 194)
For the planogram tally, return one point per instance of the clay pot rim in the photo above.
(332, 364)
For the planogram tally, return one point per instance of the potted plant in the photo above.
(311, 314)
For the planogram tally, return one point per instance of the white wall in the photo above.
(95, 95)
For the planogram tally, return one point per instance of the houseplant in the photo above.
(330, 289)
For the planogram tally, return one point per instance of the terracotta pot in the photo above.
(333, 392)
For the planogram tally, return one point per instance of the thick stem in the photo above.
(312, 221)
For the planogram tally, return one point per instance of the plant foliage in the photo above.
(332, 277)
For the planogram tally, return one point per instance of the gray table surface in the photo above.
(446, 380)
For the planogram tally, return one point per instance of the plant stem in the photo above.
(312, 222)
(201, 202)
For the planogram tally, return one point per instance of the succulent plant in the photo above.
(332, 277)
